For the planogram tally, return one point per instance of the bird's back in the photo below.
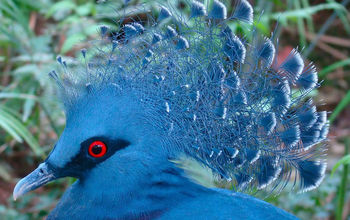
(224, 204)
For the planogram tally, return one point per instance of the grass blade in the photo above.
(325, 71)
(300, 23)
(305, 12)
(310, 24)
(340, 107)
(343, 183)
(28, 106)
(343, 18)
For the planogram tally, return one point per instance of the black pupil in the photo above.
(96, 149)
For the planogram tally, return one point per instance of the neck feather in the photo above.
(149, 189)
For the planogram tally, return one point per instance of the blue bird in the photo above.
(185, 89)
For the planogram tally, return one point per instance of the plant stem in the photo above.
(342, 187)
(340, 107)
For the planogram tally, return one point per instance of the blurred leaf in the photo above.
(341, 194)
(10, 95)
(72, 41)
(300, 24)
(41, 44)
(86, 9)
(28, 106)
(15, 14)
(323, 73)
(4, 171)
(27, 68)
(21, 131)
(61, 5)
(304, 12)
(342, 161)
(309, 21)
(343, 17)
(340, 107)
(7, 126)
(36, 57)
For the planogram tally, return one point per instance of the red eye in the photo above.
(97, 149)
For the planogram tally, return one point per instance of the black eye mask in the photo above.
(83, 161)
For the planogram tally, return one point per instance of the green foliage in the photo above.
(342, 162)
(305, 12)
(18, 130)
(340, 107)
(345, 161)
(325, 71)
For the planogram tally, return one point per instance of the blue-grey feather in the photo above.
(291, 136)
(251, 154)
(130, 31)
(243, 12)
(231, 152)
(139, 28)
(268, 170)
(164, 13)
(324, 132)
(266, 52)
(182, 43)
(310, 173)
(239, 98)
(156, 38)
(308, 117)
(313, 134)
(233, 81)
(243, 179)
(234, 47)
(281, 97)
(103, 30)
(218, 10)
(170, 32)
(268, 122)
(198, 9)
(293, 65)
(309, 78)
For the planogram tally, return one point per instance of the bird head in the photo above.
(104, 131)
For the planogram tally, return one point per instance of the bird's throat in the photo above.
(129, 194)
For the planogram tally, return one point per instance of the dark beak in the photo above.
(40, 176)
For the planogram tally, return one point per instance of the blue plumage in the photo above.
(233, 46)
(103, 30)
(291, 136)
(170, 32)
(182, 43)
(156, 38)
(292, 66)
(308, 117)
(268, 122)
(130, 31)
(281, 97)
(198, 9)
(164, 13)
(308, 80)
(151, 98)
(243, 12)
(218, 10)
(266, 52)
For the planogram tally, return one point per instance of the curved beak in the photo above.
(40, 176)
